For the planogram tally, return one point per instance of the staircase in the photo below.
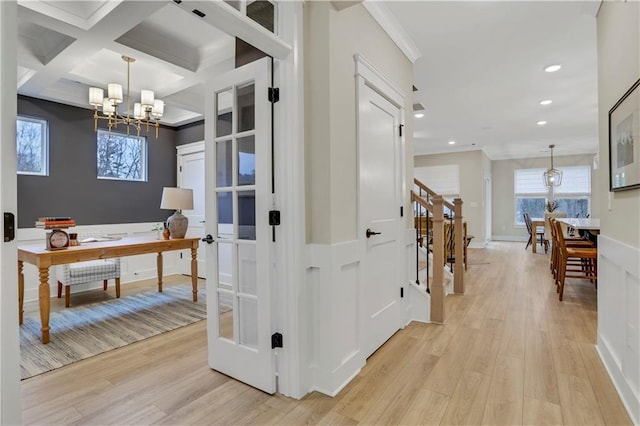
(435, 246)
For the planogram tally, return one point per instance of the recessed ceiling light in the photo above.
(546, 102)
(452, 142)
(541, 123)
(553, 68)
(418, 114)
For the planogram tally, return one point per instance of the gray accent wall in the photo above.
(189, 133)
(72, 187)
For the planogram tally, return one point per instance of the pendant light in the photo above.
(552, 177)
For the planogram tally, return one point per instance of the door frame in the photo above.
(368, 76)
(10, 395)
(184, 263)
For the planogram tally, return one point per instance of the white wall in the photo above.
(504, 202)
(331, 40)
(474, 166)
(618, 26)
(333, 268)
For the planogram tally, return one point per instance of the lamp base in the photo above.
(177, 224)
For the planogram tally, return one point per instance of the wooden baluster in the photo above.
(458, 235)
(437, 285)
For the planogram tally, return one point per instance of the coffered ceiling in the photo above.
(65, 47)
(479, 72)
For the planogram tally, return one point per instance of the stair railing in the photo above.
(431, 233)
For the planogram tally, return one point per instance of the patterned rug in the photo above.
(84, 331)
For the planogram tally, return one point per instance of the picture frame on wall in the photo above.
(624, 141)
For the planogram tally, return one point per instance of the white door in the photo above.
(10, 395)
(380, 165)
(191, 175)
(238, 200)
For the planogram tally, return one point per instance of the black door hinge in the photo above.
(276, 340)
(274, 217)
(274, 94)
(401, 291)
(401, 211)
(400, 127)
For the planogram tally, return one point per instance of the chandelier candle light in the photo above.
(177, 199)
(147, 112)
(552, 178)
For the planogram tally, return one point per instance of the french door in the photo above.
(238, 200)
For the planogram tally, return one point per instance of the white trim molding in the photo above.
(334, 336)
(378, 81)
(387, 20)
(619, 319)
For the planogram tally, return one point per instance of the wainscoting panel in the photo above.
(133, 268)
(619, 319)
(333, 276)
(417, 302)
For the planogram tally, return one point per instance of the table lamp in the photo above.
(177, 199)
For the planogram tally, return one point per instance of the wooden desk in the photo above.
(40, 257)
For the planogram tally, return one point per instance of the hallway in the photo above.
(509, 353)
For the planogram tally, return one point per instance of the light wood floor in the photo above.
(510, 353)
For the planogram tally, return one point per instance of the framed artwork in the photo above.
(624, 141)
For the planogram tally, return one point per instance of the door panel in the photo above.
(238, 164)
(380, 201)
(192, 176)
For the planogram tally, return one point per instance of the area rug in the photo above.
(80, 332)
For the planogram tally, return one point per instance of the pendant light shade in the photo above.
(552, 177)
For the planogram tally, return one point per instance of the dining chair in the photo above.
(533, 233)
(587, 257)
(569, 242)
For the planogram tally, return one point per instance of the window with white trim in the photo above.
(32, 146)
(121, 156)
(573, 196)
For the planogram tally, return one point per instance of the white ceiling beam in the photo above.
(227, 19)
(120, 20)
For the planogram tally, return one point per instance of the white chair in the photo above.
(86, 272)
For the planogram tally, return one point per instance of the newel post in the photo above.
(458, 244)
(437, 286)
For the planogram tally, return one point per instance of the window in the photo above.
(121, 156)
(32, 146)
(573, 196)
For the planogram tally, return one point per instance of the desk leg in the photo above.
(44, 295)
(194, 273)
(160, 272)
(20, 292)
(534, 243)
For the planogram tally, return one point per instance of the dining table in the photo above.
(584, 224)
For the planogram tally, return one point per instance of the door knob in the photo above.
(208, 239)
(370, 233)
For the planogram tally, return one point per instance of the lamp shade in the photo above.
(96, 96)
(177, 199)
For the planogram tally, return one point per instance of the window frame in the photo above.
(519, 222)
(44, 144)
(144, 173)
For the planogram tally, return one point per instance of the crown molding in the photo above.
(385, 18)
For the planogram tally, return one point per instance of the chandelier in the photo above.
(147, 112)
(552, 177)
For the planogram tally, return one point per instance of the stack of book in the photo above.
(55, 222)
